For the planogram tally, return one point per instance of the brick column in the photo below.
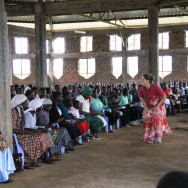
(5, 110)
(40, 45)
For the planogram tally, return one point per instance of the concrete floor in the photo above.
(119, 160)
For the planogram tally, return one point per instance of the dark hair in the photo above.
(125, 90)
(65, 94)
(75, 102)
(174, 179)
(34, 89)
(56, 95)
(28, 92)
(149, 77)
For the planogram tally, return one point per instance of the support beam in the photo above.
(5, 110)
(40, 46)
(124, 59)
(101, 20)
(50, 63)
(182, 9)
(77, 7)
(178, 2)
(153, 52)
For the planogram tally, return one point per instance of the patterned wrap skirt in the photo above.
(155, 124)
(34, 145)
(60, 138)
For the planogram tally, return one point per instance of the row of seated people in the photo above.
(177, 96)
(33, 108)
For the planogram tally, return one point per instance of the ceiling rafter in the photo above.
(103, 20)
(172, 3)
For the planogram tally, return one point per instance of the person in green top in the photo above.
(130, 114)
(99, 106)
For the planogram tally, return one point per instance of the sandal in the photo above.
(35, 164)
(72, 149)
(8, 181)
(56, 159)
(58, 154)
(48, 161)
(28, 166)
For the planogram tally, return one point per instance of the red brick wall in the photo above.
(101, 43)
(72, 44)
(144, 41)
(177, 39)
(104, 74)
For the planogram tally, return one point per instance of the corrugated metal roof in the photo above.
(122, 15)
(130, 18)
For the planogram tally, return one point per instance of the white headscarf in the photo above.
(34, 104)
(18, 99)
(46, 101)
(26, 89)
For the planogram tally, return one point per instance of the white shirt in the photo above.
(75, 112)
(85, 103)
(30, 121)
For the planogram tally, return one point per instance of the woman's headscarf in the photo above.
(86, 90)
(46, 101)
(26, 89)
(17, 100)
(34, 104)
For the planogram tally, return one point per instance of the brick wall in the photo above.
(177, 39)
(72, 44)
(101, 44)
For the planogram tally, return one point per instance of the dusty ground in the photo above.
(119, 160)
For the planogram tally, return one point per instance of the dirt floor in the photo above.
(119, 160)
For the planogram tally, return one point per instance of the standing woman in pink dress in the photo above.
(155, 122)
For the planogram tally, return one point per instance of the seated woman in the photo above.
(56, 116)
(76, 125)
(96, 123)
(7, 166)
(31, 123)
(33, 141)
(56, 134)
(111, 114)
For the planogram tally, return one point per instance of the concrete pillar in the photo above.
(10, 58)
(40, 46)
(124, 59)
(50, 63)
(153, 52)
(5, 99)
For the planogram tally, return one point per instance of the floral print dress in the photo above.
(155, 123)
(34, 144)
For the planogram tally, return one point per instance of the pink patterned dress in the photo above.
(155, 123)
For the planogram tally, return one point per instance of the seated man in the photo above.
(130, 113)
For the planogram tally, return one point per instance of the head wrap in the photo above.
(86, 90)
(34, 104)
(46, 101)
(27, 88)
(17, 100)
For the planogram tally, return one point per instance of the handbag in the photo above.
(18, 162)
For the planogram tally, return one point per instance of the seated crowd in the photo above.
(49, 121)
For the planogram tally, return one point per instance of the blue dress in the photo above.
(7, 166)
